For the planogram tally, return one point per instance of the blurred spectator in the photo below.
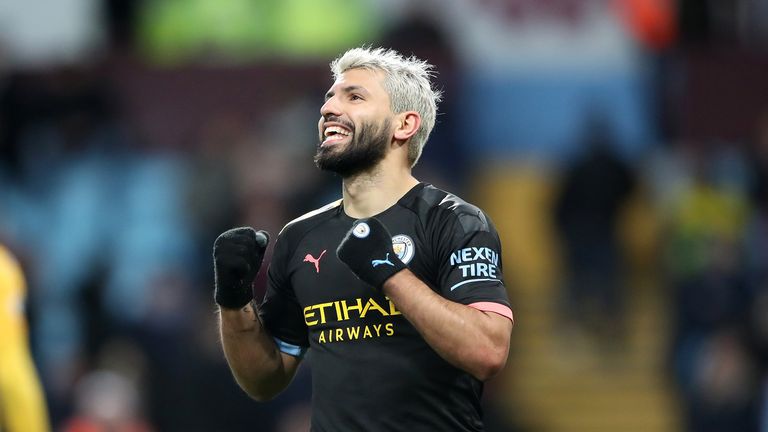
(709, 213)
(106, 402)
(594, 190)
(705, 263)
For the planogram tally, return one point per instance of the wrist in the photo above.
(392, 281)
(238, 320)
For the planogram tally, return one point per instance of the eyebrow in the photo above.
(347, 89)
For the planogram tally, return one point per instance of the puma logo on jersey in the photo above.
(316, 261)
(386, 260)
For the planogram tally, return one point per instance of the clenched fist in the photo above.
(237, 256)
(367, 251)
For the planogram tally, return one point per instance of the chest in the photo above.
(318, 276)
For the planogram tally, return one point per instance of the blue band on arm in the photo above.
(290, 349)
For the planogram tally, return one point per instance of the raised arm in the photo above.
(257, 364)
(476, 341)
(470, 339)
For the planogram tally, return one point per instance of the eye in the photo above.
(355, 97)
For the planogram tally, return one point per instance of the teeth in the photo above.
(335, 130)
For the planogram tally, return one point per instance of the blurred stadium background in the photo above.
(620, 146)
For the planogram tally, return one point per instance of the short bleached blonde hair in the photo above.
(407, 80)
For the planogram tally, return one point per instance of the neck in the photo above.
(370, 193)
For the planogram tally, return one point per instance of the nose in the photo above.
(330, 107)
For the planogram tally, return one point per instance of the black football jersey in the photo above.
(371, 370)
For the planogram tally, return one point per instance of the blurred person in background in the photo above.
(22, 405)
(705, 266)
(106, 401)
(406, 338)
(595, 189)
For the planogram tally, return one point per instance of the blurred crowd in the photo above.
(115, 235)
(119, 169)
(709, 204)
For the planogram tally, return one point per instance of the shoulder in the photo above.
(293, 232)
(437, 206)
(298, 227)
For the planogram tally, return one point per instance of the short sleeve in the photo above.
(470, 264)
(280, 311)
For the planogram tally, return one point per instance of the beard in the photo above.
(366, 149)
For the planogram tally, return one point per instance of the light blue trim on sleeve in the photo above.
(290, 349)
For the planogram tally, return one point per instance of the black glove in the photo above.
(237, 256)
(367, 251)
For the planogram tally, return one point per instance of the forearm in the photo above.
(251, 353)
(472, 340)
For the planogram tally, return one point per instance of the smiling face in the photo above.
(355, 126)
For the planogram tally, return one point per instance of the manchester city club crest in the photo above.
(403, 247)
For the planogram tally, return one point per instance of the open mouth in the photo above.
(334, 134)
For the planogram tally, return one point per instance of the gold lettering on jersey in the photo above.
(343, 310)
(392, 309)
(308, 314)
(372, 304)
(338, 308)
(347, 309)
(353, 333)
(322, 307)
(351, 310)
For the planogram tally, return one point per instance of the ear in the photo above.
(408, 123)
